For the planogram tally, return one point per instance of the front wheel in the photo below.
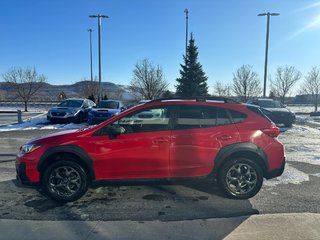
(79, 118)
(65, 181)
(240, 178)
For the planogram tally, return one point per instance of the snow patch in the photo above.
(39, 123)
(315, 174)
(290, 175)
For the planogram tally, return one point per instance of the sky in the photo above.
(53, 37)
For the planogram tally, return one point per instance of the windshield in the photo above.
(269, 104)
(71, 103)
(108, 104)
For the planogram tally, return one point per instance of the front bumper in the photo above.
(21, 176)
(62, 119)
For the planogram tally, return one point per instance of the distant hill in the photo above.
(79, 89)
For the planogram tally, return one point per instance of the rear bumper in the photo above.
(277, 172)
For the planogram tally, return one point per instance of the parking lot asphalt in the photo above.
(262, 227)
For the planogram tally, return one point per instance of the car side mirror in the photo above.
(114, 131)
(122, 109)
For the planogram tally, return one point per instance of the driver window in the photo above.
(147, 120)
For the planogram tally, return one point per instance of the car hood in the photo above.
(52, 136)
(109, 110)
(64, 109)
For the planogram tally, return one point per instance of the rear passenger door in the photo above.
(199, 132)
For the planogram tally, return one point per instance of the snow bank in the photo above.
(39, 123)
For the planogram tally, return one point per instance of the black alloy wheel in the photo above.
(240, 178)
(65, 181)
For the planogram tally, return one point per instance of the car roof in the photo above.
(75, 99)
(196, 99)
(265, 99)
(109, 100)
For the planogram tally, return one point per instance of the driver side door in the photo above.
(142, 151)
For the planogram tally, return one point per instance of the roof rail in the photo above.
(198, 99)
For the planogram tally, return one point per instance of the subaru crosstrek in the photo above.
(217, 138)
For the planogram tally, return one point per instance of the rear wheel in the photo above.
(240, 178)
(65, 181)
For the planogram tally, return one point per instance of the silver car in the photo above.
(70, 110)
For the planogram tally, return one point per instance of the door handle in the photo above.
(224, 137)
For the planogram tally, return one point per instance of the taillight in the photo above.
(273, 131)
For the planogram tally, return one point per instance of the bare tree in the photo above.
(222, 90)
(311, 85)
(246, 83)
(117, 94)
(148, 81)
(90, 88)
(286, 78)
(26, 82)
(2, 94)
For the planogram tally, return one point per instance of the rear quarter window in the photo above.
(237, 117)
(258, 111)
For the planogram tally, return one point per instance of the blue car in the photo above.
(104, 110)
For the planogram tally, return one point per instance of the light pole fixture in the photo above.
(99, 48)
(91, 30)
(268, 14)
(187, 18)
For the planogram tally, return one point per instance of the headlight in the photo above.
(73, 112)
(28, 148)
(113, 114)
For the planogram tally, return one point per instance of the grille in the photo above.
(58, 114)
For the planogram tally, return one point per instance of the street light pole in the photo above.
(99, 48)
(187, 17)
(91, 30)
(268, 14)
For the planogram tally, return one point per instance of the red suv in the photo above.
(234, 143)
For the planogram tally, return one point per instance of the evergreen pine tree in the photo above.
(192, 81)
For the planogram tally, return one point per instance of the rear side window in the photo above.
(190, 117)
(258, 111)
(237, 117)
(223, 117)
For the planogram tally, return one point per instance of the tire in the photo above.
(65, 181)
(237, 172)
(79, 118)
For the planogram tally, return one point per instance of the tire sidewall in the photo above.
(222, 178)
(83, 175)
(79, 118)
